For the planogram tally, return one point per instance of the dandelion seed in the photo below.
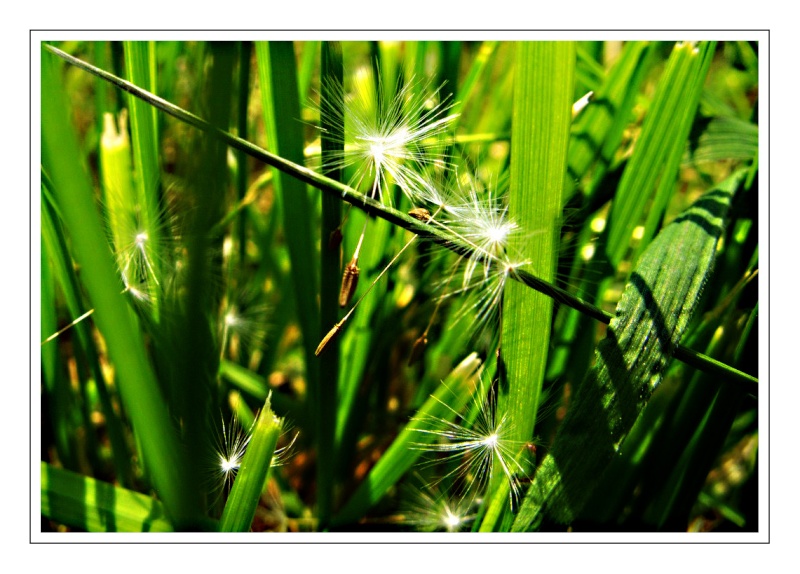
(283, 453)
(429, 510)
(392, 142)
(230, 448)
(242, 325)
(477, 449)
(482, 224)
(135, 261)
(229, 451)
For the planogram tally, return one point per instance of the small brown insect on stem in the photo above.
(421, 214)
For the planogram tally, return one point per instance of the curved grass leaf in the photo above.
(544, 84)
(727, 138)
(650, 319)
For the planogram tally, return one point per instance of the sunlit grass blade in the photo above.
(651, 318)
(95, 506)
(252, 475)
(140, 69)
(659, 148)
(540, 136)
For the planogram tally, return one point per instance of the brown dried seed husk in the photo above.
(349, 283)
(327, 338)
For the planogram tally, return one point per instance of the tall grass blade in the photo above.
(140, 69)
(54, 244)
(282, 115)
(544, 84)
(326, 399)
(659, 148)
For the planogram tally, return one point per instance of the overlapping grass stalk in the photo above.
(543, 96)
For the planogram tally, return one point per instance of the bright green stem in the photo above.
(540, 137)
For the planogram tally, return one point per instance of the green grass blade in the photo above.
(54, 243)
(285, 132)
(650, 319)
(242, 171)
(684, 120)
(140, 393)
(252, 476)
(663, 138)
(545, 77)
(96, 506)
(599, 129)
(140, 64)
(330, 274)
(473, 78)
(305, 71)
